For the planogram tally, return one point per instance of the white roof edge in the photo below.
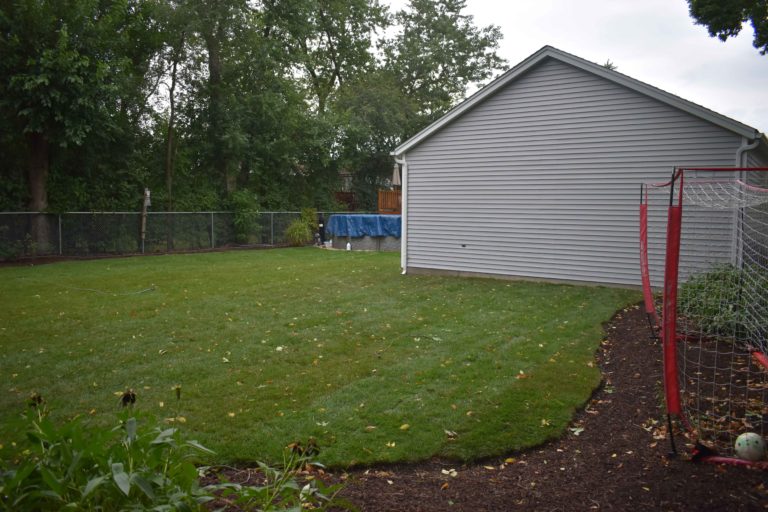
(596, 69)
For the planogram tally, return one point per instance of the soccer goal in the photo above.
(712, 315)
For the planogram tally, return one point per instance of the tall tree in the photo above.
(220, 24)
(427, 66)
(439, 52)
(330, 40)
(725, 18)
(374, 114)
(200, 98)
(69, 70)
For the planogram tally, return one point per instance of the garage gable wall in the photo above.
(541, 179)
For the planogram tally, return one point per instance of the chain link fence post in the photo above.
(271, 228)
(102, 233)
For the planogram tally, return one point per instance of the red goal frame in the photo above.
(665, 325)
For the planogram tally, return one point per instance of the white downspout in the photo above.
(745, 146)
(737, 245)
(403, 215)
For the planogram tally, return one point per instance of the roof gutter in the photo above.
(403, 212)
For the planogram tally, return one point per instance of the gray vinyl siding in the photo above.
(758, 159)
(542, 179)
(755, 228)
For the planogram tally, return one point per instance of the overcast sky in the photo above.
(654, 41)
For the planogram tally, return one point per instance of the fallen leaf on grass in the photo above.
(405, 426)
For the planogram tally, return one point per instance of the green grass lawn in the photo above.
(270, 347)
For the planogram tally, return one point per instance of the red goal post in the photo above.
(713, 333)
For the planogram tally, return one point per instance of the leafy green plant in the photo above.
(245, 208)
(298, 233)
(15, 249)
(711, 300)
(718, 302)
(302, 230)
(137, 465)
(282, 490)
(309, 217)
(74, 465)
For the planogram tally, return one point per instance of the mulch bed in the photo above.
(613, 457)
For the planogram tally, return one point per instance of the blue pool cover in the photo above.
(355, 225)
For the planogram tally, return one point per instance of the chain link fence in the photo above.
(108, 233)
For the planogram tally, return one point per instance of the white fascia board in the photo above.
(596, 69)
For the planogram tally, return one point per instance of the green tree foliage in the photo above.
(439, 52)
(330, 40)
(200, 99)
(376, 115)
(428, 65)
(68, 69)
(724, 18)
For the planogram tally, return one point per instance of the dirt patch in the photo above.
(613, 457)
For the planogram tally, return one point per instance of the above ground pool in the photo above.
(365, 232)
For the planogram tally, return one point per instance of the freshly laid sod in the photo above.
(272, 347)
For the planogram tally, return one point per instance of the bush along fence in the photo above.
(26, 234)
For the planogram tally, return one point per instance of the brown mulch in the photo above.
(614, 456)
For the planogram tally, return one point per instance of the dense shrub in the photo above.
(245, 208)
(302, 230)
(723, 302)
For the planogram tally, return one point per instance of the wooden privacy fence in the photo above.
(390, 201)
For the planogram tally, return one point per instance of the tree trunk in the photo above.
(169, 141)
(170, 149)
(37, 172)
(223, 166)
